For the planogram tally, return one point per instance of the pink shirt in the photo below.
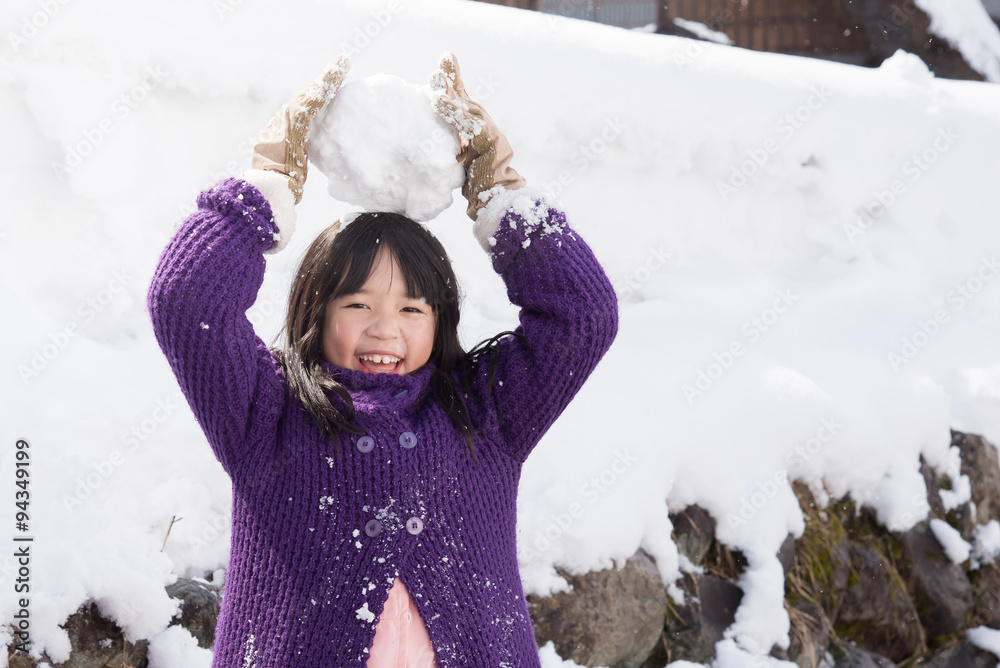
(401, 639)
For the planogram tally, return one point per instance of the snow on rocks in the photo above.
(549, 657)
(175, 646)
(987, 544)
(967, 26)
(985, 638)
(951, 541)
(383, 148)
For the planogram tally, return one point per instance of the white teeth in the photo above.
(380, 359)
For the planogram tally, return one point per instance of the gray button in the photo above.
(402, 393)
(407, 439)
(373, 528)
(414, 525)
(366, 443)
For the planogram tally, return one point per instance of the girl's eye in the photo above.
(353, 305)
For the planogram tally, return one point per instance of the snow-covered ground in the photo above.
(806, 255)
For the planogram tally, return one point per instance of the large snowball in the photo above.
(383, 148)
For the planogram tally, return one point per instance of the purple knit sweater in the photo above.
(319, 535)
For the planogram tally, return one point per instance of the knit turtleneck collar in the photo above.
(384, 386)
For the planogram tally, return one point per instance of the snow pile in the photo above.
(175, 647)
(955, 547)
(970, 30)
(961, 492)
(987, 544)
(985, 638)
(383, 148)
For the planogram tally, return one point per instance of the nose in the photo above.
(383, 325)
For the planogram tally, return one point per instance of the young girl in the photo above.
(374, 463)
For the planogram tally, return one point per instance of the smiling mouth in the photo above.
(379, 363)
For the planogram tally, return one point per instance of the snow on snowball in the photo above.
(383, 148)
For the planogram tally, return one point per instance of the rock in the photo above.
(933, 490)
(724, 562)
(95, 642)
(660, 656)
(965, 655)
(786, 553)
(986, 596)
(778, 653)
(847, 656)
(694, 628)
(821, 566)
(940, 589)
(694, 532)
(199, 608)
(876, 611)
(961, 518)
(20, 661)
(980, 463)
(611, 618)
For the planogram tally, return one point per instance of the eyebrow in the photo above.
(369, 292)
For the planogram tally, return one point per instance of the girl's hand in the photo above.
(281, 146)
(486, 153)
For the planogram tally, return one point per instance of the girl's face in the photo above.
(379, 329)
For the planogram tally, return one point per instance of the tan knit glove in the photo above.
(281, 145)
(486, 153)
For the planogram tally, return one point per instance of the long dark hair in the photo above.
(338, 262)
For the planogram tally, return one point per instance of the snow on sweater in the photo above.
(318, 536)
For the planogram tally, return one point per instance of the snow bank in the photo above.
(383, 148)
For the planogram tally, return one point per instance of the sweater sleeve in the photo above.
(207, 277)
(568, 317)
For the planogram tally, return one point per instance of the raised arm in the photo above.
(569, 311)
(568, 317)
(211, 272)
(207, 278)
